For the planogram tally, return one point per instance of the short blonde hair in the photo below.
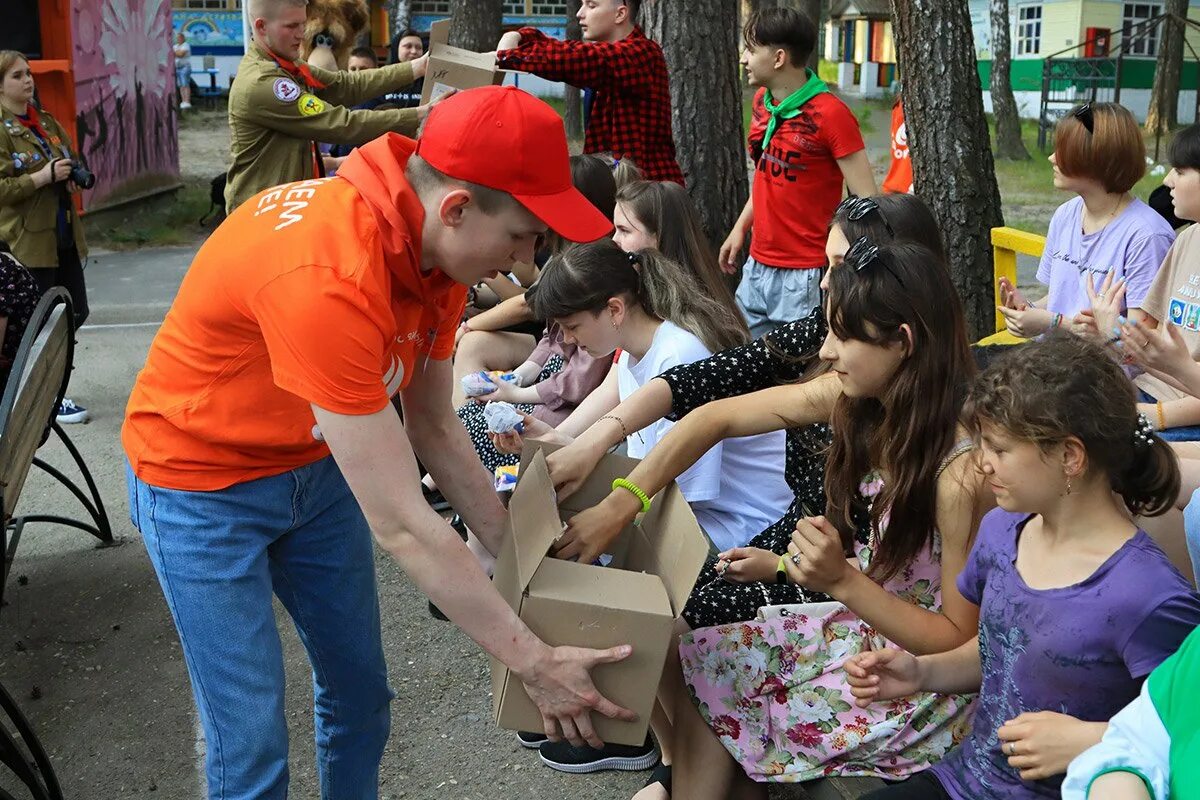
(267, 9)
(1112, 153)
(8, 58)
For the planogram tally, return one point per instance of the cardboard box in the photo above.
(635, 600)
(455, 68)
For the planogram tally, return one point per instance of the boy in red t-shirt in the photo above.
(899, 179)
(805, 143)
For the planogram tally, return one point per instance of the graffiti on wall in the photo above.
(124, 97)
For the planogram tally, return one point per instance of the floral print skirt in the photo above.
(775, 692)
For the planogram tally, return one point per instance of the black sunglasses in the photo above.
(1084, 114)
(856, 208)
(863, 254)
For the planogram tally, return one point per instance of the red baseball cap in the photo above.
(506, 139)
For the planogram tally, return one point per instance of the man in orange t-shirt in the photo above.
(264, 451)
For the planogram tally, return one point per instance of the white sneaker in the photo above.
(184, 106)
(70, 413)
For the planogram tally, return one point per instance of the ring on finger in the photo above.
(796, 559)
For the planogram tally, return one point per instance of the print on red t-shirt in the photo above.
(797, 181)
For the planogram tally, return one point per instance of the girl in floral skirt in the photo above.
(773, 691)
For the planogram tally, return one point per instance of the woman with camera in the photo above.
(38, 173)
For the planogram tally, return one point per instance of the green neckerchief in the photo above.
(790, 107)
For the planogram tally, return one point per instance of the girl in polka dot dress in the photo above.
(19, 296)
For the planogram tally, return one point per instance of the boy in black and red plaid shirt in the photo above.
(631, 113)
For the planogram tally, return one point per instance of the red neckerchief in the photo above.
(297, 69)
(33, 121)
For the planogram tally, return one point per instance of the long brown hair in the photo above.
(585, 276)
(1064, 386)
(910, 427)
(667, 212)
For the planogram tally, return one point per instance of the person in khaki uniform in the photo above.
(279, 106)
(37, 218)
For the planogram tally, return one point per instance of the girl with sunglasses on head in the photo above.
(1099, 155)
(1076, 605)
(902, 497)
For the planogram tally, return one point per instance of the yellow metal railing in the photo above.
(1007, 243)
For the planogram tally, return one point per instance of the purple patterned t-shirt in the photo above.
(1081, 650)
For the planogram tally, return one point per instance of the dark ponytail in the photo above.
(1063, 386)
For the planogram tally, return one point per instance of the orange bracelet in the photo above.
(1162, 416)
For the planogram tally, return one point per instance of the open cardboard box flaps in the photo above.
(635, 600)
(455, 68)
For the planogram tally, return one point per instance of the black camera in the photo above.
(81, 176)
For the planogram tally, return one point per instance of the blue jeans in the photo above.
(1191, 529)
(1183, 433)
(219, 556)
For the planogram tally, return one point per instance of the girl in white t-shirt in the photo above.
(647, 307)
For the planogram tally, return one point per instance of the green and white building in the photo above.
(859, 37)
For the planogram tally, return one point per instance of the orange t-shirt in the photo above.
(899, 179)
(310, 293)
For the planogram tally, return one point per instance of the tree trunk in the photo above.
(948, 142)
(1164, 98)
(572, 98)
(1004, 105)
(701, 48)
(476, 24)
(399, 13)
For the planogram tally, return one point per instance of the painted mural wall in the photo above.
(124, 95)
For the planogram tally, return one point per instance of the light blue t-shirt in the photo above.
(1133, 245)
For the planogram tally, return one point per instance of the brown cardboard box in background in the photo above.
(455, 68)
(635, 600)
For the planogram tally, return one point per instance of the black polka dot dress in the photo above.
(777, 358)
(19, 296)
(471, 414)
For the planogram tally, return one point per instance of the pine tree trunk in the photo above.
(701, 47)
(1004, 105)
(1164, 98)
(948, 142)
(476, 24)
(572, 98)
(812, 10)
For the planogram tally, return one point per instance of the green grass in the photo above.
(161, 221)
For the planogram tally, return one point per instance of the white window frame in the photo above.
(1027, 37)
(1146, 46)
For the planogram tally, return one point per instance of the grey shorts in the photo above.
(774, 296)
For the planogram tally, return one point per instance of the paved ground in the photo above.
(88, 650)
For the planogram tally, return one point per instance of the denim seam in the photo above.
(318, 665)
(202, 693)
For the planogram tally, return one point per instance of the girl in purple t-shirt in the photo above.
(1077, 605)
(1099, 155)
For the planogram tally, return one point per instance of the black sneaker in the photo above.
(566, 757)
(530, 739)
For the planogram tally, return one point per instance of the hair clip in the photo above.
(1085, 115)
(1143, 433)
(855, 208)
(635, 258)
(861, 254)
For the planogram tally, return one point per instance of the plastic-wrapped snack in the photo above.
(503, 417)
(501, 375)
(477, 383)
(506, 477)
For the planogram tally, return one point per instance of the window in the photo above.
(202, 5)
(441, 7)
(1029, 30)
(1143, 40)
(542, 8)
(514, 7)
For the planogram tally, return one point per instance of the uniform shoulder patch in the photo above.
(286, 90)
(310, 105)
